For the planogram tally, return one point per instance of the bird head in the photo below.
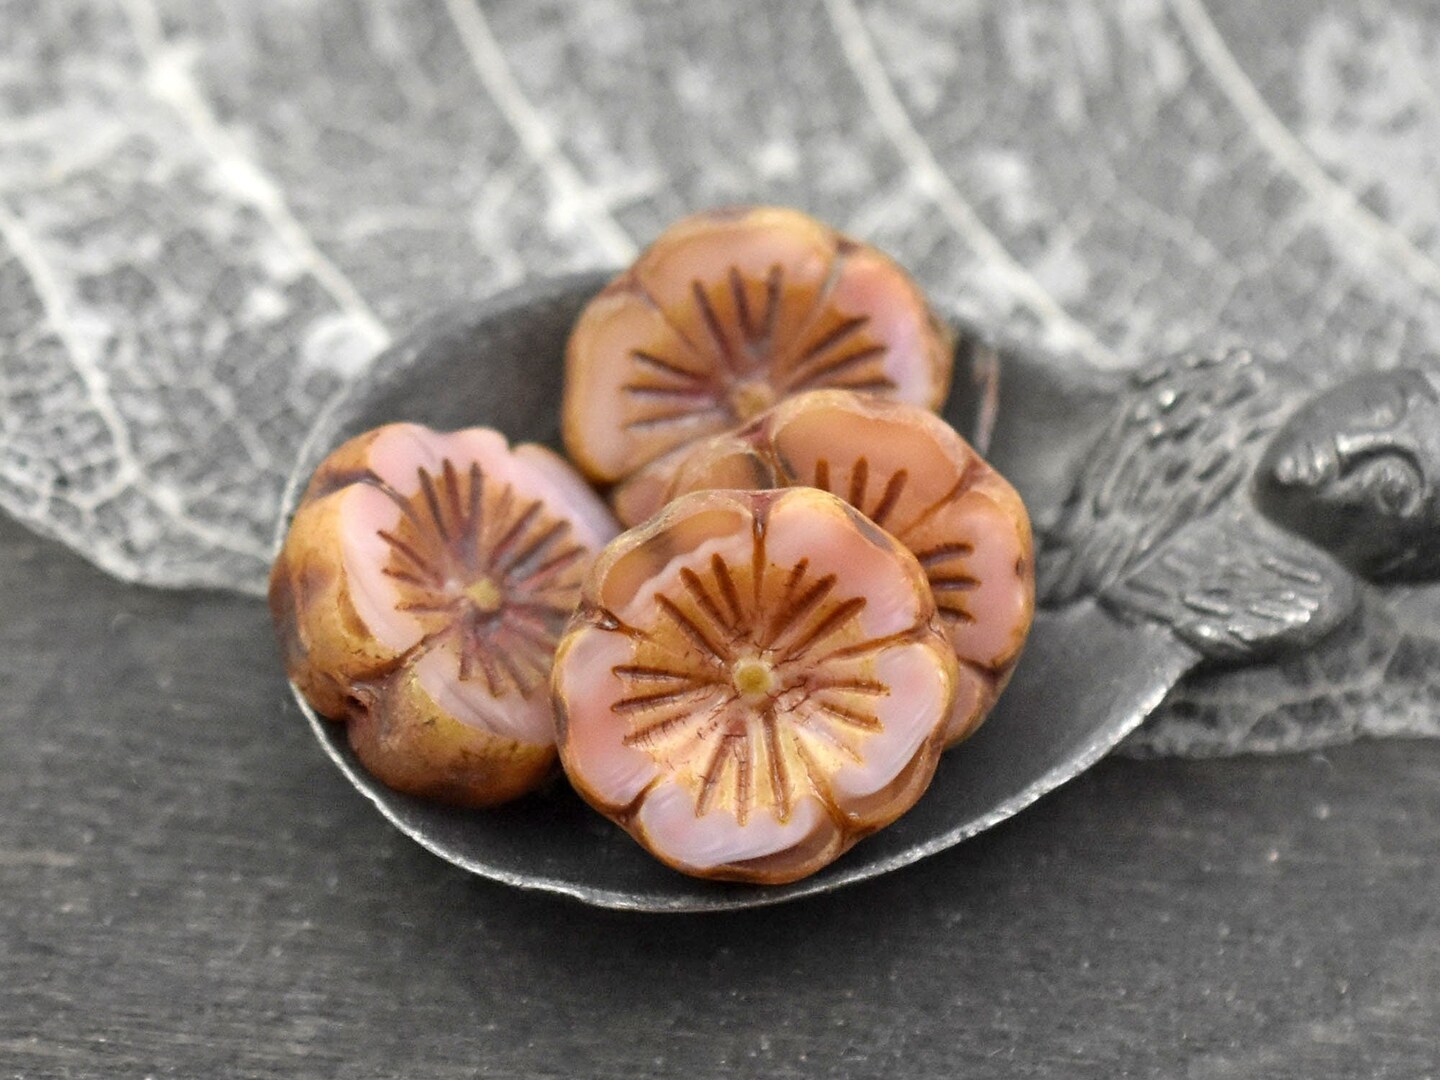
(1357, 471)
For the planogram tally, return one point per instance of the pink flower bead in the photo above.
(419, 596)
(754, 681)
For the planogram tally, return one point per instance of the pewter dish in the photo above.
(1085, 681)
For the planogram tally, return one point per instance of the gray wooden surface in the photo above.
(187, 888)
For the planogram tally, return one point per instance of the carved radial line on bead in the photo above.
(811, 361)
(857, 494)
(688, 701)
(496, 574)
(950, 585)
(749, 364)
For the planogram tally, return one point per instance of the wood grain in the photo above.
(189, 889)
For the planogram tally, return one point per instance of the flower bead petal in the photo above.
(327, 612)
(421, 742)
(712, 844)
(471, 701)
(604, 766)
(978, 552)
(726, 313)
(892, 462)
(829, 538)
(911, 473)
(728, 461)
(731, 660)
(427, 577)
(874, 332)
(918, 704)
(366, 515)
(353, 460)
(736, 281)
(564, 491)
(634, 388)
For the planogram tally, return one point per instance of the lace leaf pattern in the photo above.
(1109, 184)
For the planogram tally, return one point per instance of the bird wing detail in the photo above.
(1185, 439)
(1235, 587)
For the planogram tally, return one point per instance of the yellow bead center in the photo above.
(485, 595)
(751, 398)
(753, 678)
